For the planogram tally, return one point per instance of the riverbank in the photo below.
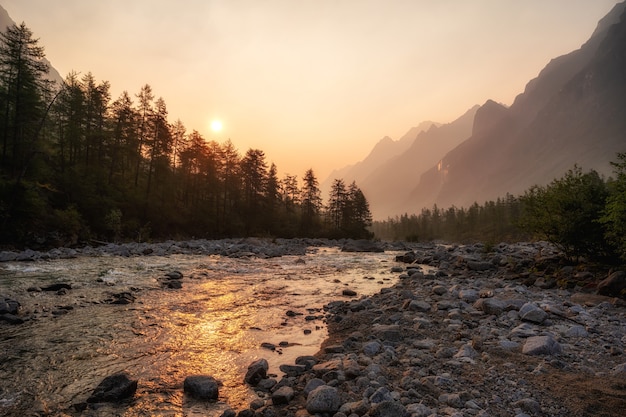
(465, 331)
(512, 332)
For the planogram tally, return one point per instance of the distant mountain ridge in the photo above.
(6, 21)
(573, 112)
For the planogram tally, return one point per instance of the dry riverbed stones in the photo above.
(466, 333)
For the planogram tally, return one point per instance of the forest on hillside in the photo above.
(77, 165)
(581, 213)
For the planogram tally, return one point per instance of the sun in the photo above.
(216, 125)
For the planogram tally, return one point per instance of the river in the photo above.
(214, 325)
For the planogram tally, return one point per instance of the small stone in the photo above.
(577, 331)
(421, 306)
(529, 405)
(469, 296)
(348, 292)
(388, 409)
(619, 369)
(372, 348)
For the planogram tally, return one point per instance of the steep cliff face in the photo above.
(391, 182)
(572, 113)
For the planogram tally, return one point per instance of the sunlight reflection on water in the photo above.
(214, 325)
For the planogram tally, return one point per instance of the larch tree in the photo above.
(23, 90)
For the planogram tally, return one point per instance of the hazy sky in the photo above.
(314, 84)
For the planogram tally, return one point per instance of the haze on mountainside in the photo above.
(312, 84)
(570, 114)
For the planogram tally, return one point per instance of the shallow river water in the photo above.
(214, 325)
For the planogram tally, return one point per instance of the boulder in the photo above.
(614, 285)
(532, 313)
(282, 395)
(201, 387)
(323, 399)
(491, 306)
(541, 345)
(257, 371)
(114, 388)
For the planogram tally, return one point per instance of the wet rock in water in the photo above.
(293, 370)
(362, 246)
(201, 387)
(614, 285)
(114, 388)
(541, 345)
(268, 346)
(174, 275)
(257, 371)
(323, 399)
(57, 287)
(172, 280)
(123, 298)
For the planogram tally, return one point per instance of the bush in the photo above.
(567, 211)
(614, 214)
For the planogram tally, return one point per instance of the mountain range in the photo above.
(6, 21)
(572, 113)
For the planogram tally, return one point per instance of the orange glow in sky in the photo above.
(314, 84)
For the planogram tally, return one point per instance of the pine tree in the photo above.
(23, 90)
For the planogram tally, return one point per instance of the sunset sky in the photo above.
(314, 84)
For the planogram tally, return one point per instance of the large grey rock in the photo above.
(201, 387)
(541, 345)
(532, 313)
(323, 399)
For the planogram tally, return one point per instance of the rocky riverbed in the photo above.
(509, 330)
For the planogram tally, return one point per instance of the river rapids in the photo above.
(215, 325)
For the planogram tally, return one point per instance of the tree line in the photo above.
(582, 213)
(77, 164)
